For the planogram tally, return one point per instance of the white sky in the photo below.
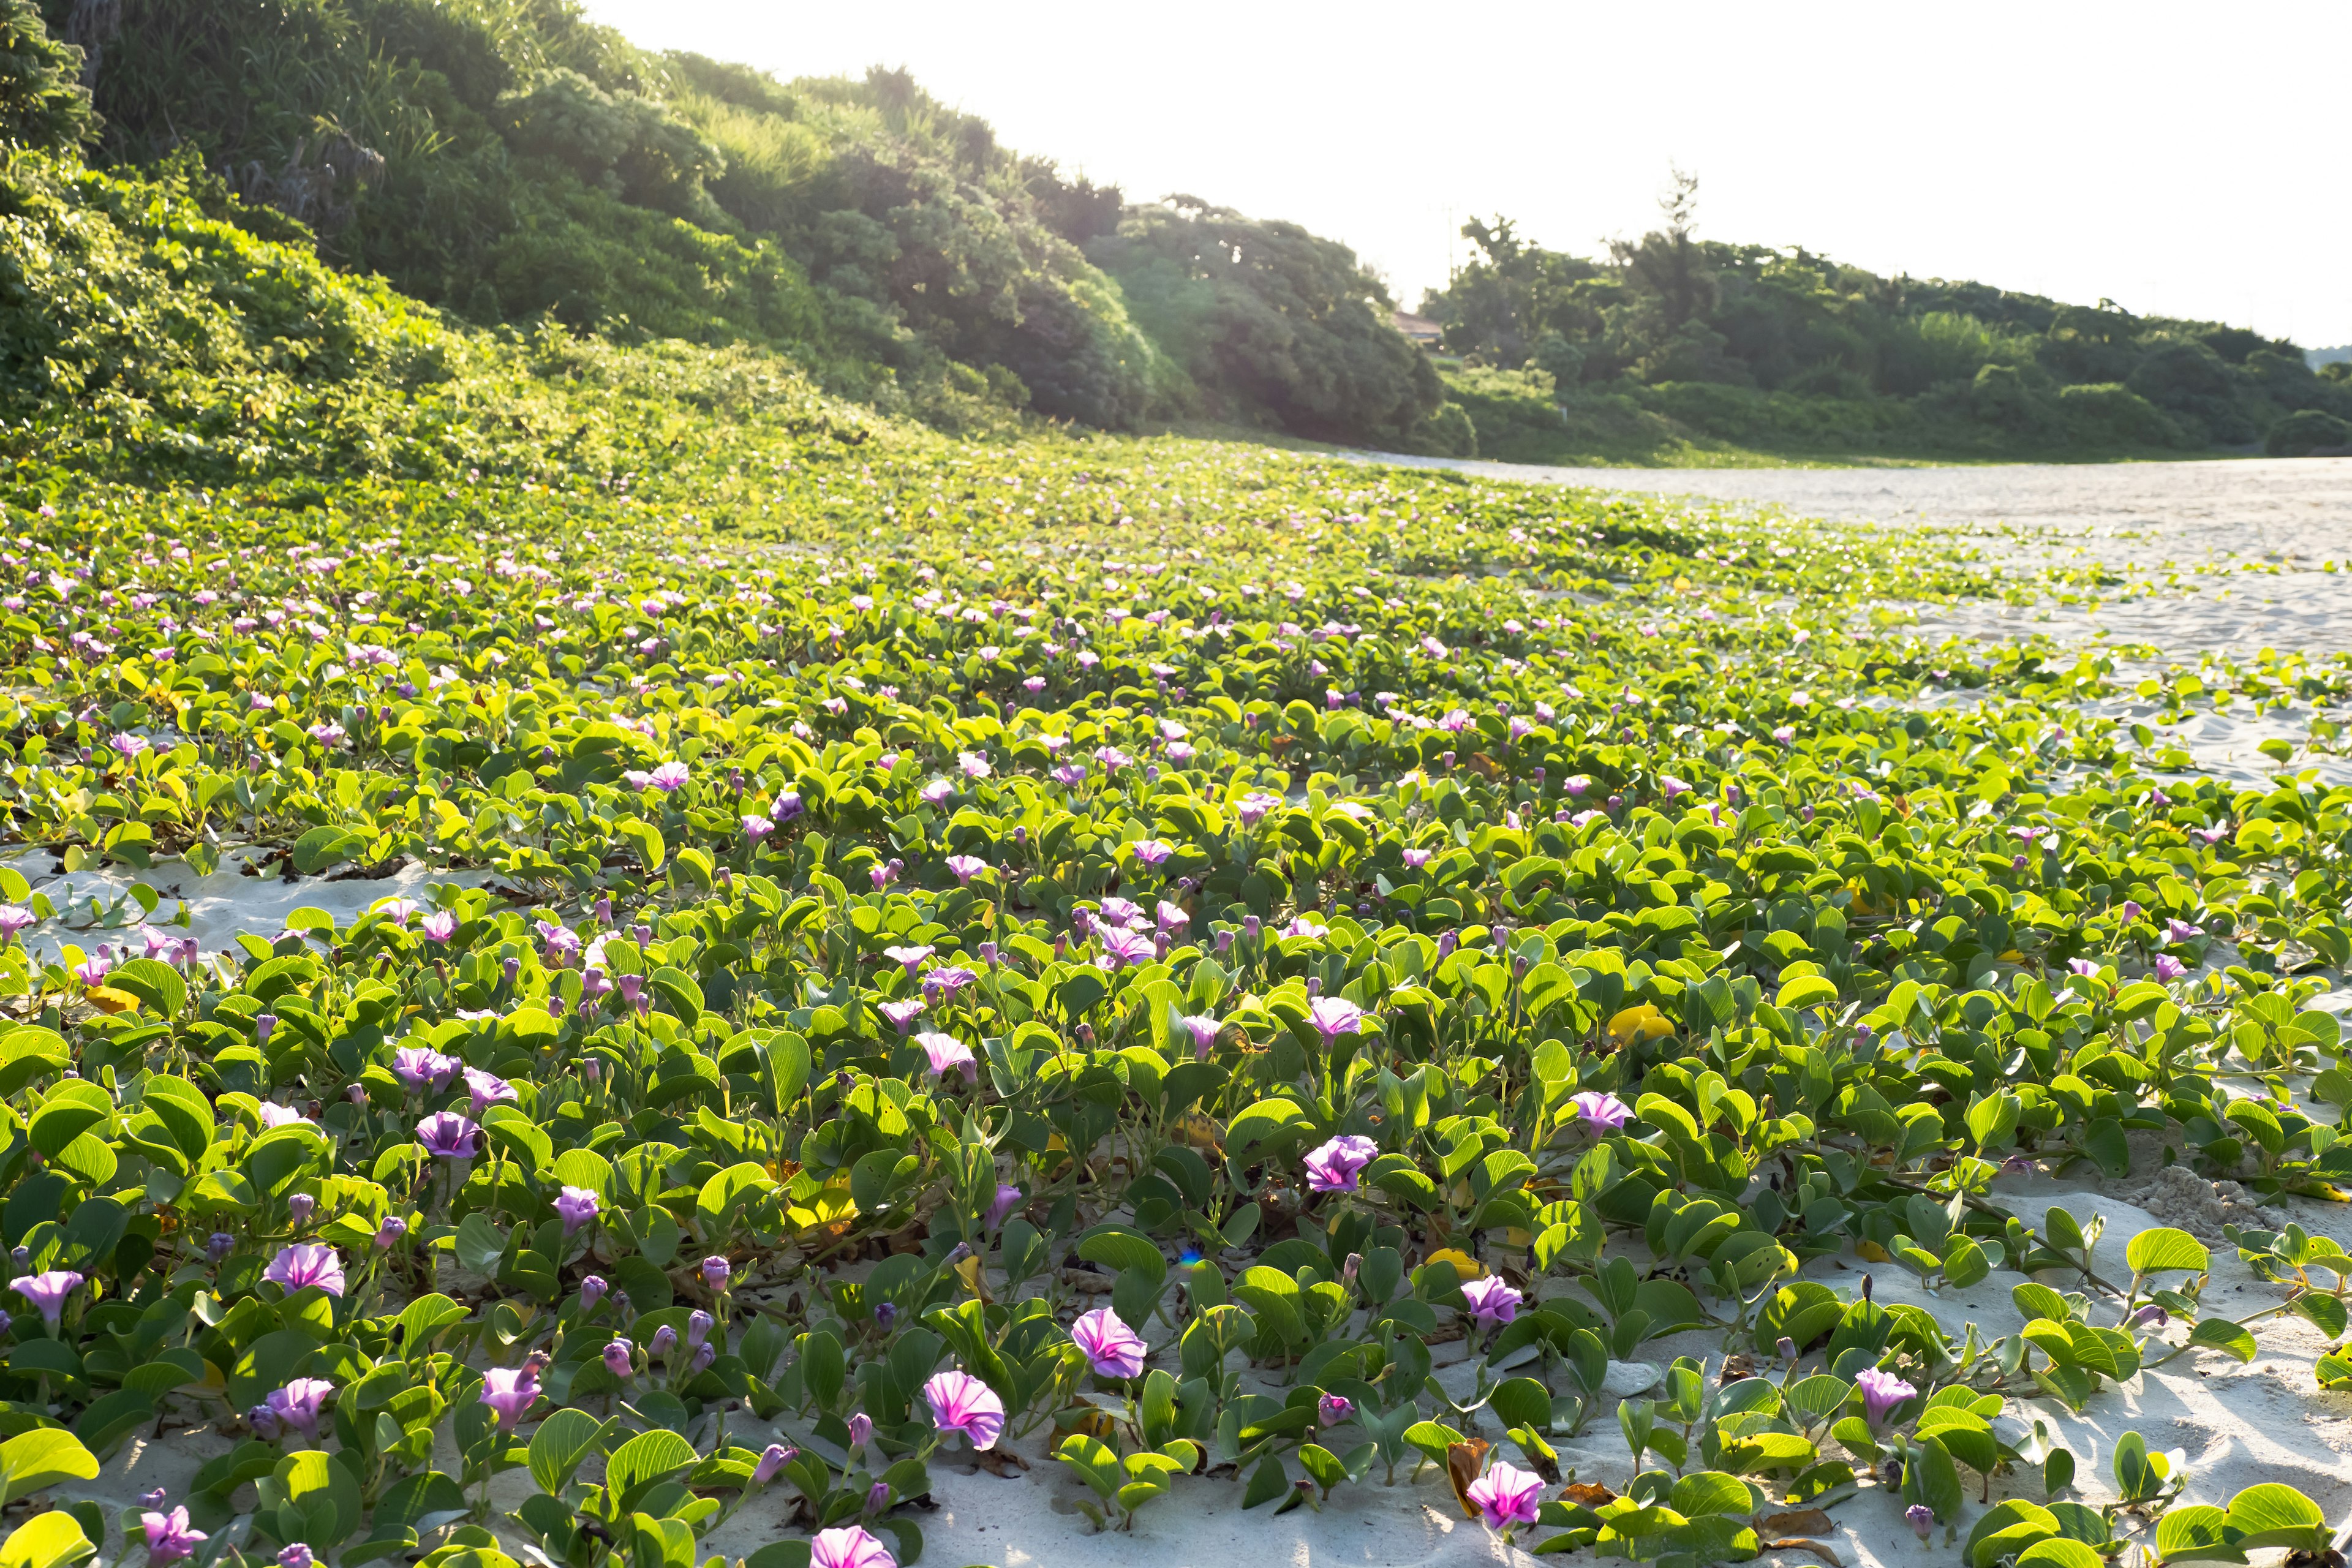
(2179, 161)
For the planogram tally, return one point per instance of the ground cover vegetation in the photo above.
(1112, 945)
(1673, 347)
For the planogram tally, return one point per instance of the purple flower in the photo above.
(299, 1205)
(2131, 911)
(961, 1403)
(417, 1066)
(966, 867)
(697, 1327)
(715, 1272)
(1600, 1112)
(575, 1206)
(861, 1428)
(756, 829)
(1333, 1017)
(2168, 967)
(391, 1230)
(295, 1556)
(1204, 1030)
(14, 918)
(1252, 807)
(1008, 1198)
(1121, 948)
(592, 1290)
(1112, 1349)
(912, 957)
(306, 1264)
(947, 1052)
(620, 1358)
(1333, 1408)
(668, 778)
(1332, 1167)
(510, 1392)
(903, 1012)
(438, 927)
(663, 1342)
(1491, 1303)
(1881, 1392)
(2149, 1316)
(487, 1090)
(169, 1539)
(2181, 931)
(298, 1404)
(1920, 1516)
(449, 1134)
(773, 1459)
(48, 1291)
(1153, 852)
(1507, 1495)
(219, 1246)
(849, 1547)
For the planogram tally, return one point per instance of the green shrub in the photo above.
(2304, 431)
(42, 100)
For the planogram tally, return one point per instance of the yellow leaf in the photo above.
(1467, 1267)
(107, 999)
(1641, 1022)
(969, 1272)
(1871, 1252)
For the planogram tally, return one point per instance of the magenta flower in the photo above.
(438, 927)
(2176, 930)
(449, 1134)
(1333, 1017)
(1601, 1111)
(169, 1538)
(575, 1206)
(306, 1264)
(1112, 1349)
(510, 1392)
(48, 1291)
(961, 1403)
(1507, 1495)
(1153, 852)
(715, 1272)
(849, 1547)
(772, 1462)
(2168, 967)
(1881, 1392)
(947, 1052)
(14, 918)
(1333, 1408)
(620, 1358)
(1492, 1303)
(756, 829)
(298, 1403)
(668, 778)
(861, 1428)
(966, 867)
(1332, 1167)
(902, 1013)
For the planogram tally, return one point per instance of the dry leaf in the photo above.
(1736, 1367)
(1587, 1494)
(1803, 1521)
(1463, 1463)
(1815, 1547)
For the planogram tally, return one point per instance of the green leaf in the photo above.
(562, 1442)
(2222, 1334)
(42, 1457)
(51, 1539)
(2161, 1249)
(2274, 1514)
(645, 1461)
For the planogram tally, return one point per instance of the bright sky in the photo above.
(2178, 160)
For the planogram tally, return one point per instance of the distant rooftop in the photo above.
(1427, 334)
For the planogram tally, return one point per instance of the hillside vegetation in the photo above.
(1673, 345)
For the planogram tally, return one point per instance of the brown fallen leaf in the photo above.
(1001, 1461)
(1804, 1521)
(1587, 1494)
(1735, 1368)
(1463, 1463)
(1815, 1547)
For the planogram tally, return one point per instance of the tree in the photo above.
(42, 100)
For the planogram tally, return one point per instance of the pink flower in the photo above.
(1491, 1303)
(1506, 1496)
(1333, 1017)
(2179, 930)
(966, 867)
(946, 1052)
(1332, 1167)
(1008, 1198)
(1333, 1408)
(306, 1264)
(1204, 1030)
(1152, 851)
(668, 778)
(486, 1090)
(1121, 948)
(2168, 967)
(298, 1403)
(49, 1291)
(438, 927)
(849, 1547)
(902, 1013)
(961, 1403)
(417, 1066)
(1112, 1349)
(1601, 1111)
(912, 957)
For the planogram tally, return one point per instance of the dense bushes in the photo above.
(1988, 370)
